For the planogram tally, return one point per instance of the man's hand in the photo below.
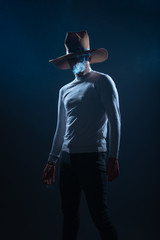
(49, 174)
(112, 169)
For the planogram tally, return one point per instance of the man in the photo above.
(85, 106)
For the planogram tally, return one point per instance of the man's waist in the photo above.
(84, 148)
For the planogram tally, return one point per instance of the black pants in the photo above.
(87, 172)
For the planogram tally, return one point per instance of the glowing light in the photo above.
(81, 64)
(79, 67)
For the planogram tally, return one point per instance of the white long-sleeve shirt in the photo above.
(85, 107)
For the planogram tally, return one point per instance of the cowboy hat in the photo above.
(77, 43)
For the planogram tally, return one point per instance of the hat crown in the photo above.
(77, 42)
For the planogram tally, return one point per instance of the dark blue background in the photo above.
(32, 32)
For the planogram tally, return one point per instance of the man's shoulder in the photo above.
(65, 87)
(103, 79)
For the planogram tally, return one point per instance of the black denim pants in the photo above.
(84, 172)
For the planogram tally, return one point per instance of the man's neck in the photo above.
(82, 74)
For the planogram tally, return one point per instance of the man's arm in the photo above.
(59, 133)
(110, 100)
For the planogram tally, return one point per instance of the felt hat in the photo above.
(77, 43)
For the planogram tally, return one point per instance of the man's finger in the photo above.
(113, 176)
(49, 181)
(44, 178)
(45, 181)
(53, 177)
(109, 168)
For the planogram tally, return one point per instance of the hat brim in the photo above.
(97, 55)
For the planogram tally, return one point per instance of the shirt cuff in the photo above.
(53, 158)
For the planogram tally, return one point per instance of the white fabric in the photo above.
(85, 107)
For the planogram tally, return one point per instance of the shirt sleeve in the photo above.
(110, 100)
(59, 132)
